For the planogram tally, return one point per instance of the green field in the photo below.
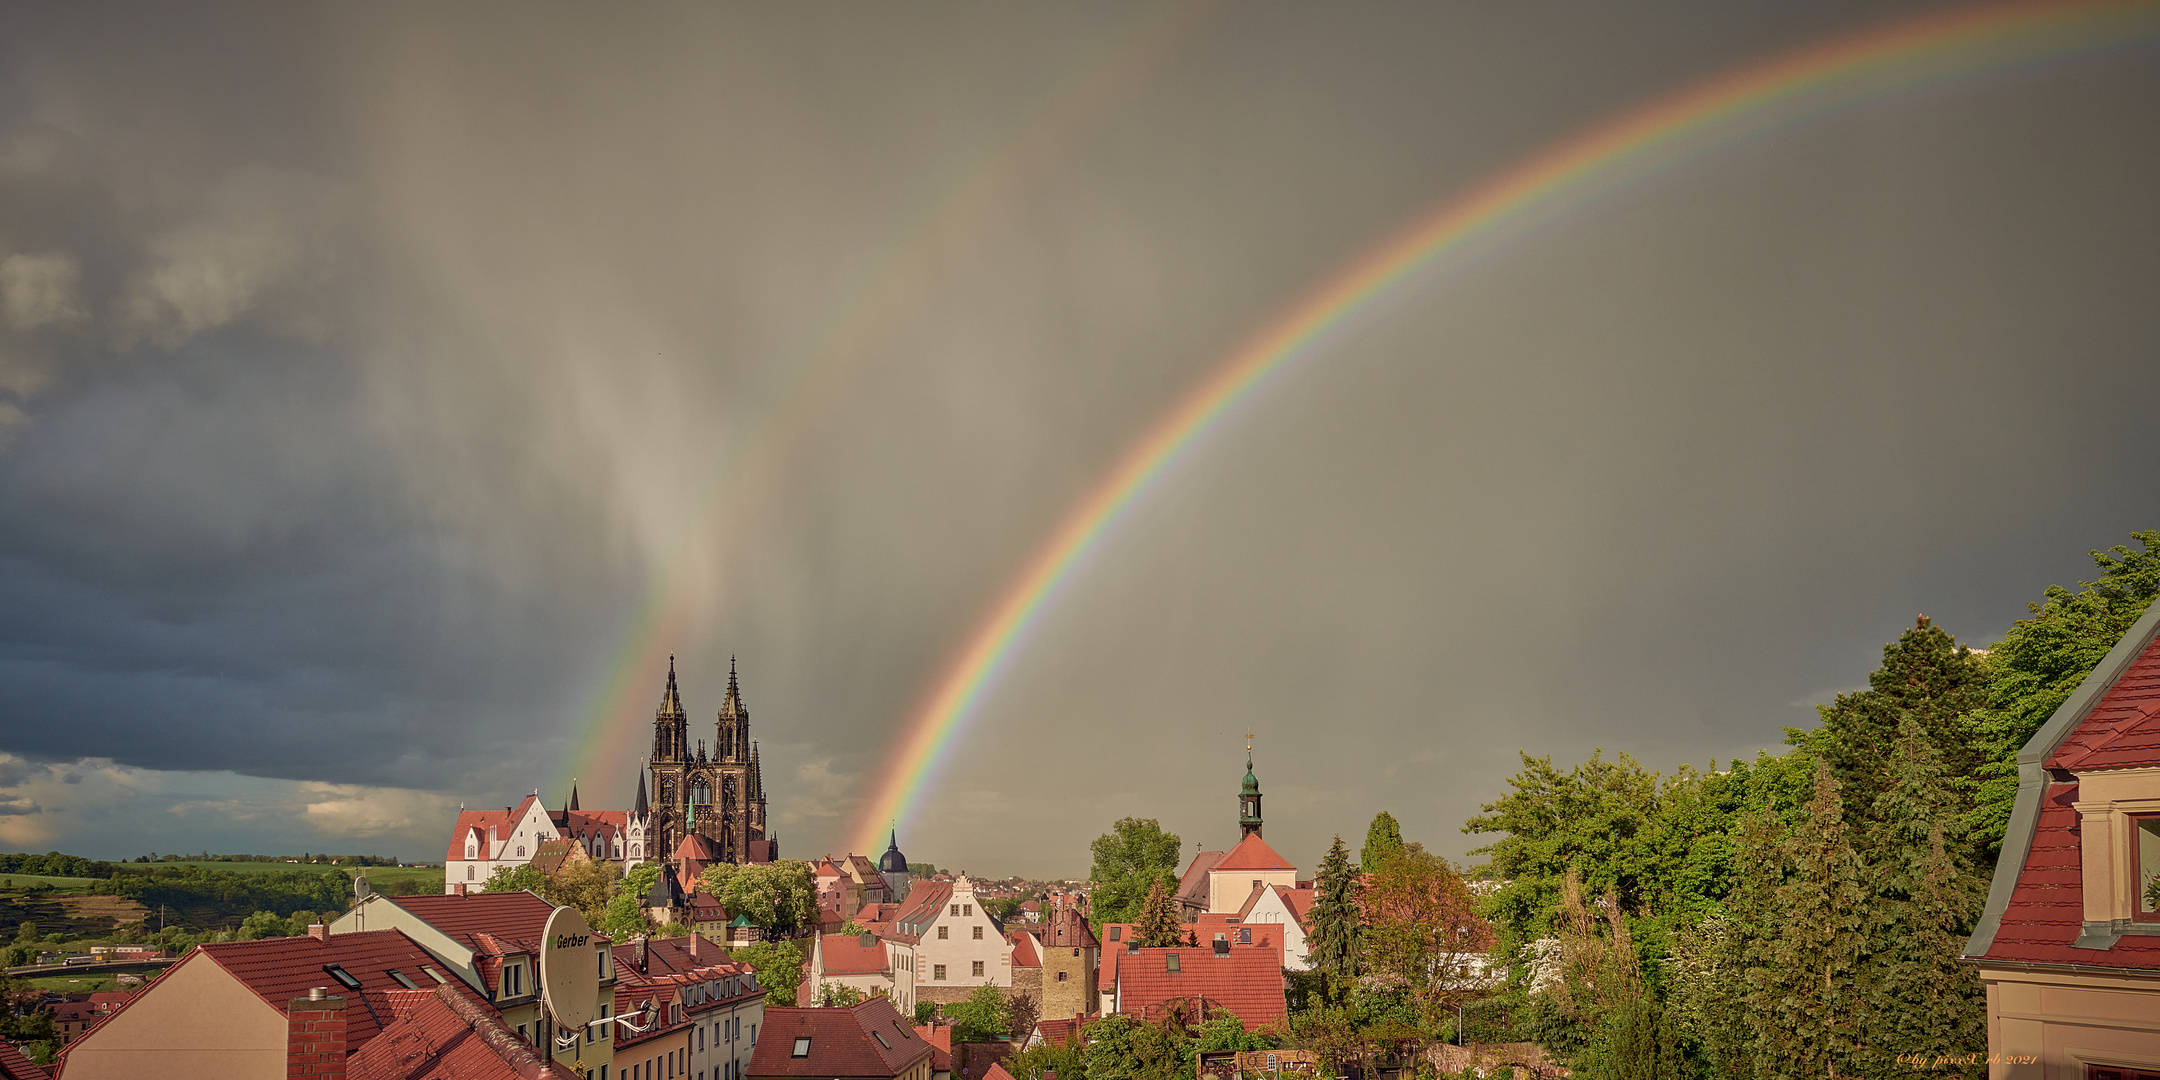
(72, 984)
(378, 876)
(25, 881)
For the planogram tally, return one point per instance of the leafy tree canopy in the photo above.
(1383, 841)
(1132, 857)
(983, 1017)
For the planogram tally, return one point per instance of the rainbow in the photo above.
(665, 617)
(1804, 83)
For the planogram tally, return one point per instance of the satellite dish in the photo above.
(361, 890)
(570, 959)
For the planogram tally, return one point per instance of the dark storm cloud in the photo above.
(360, 372)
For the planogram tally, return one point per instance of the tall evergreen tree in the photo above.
(1337, 930)
(1926, 675)
(1158, 926)
(1922, 999)
(1383, 841)
(1804, 999)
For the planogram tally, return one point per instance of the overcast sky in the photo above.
(364, 375)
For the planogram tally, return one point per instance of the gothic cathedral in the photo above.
(720, 796)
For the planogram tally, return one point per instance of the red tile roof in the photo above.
(2122, 730)
(996, 1071)
(1024, 955)
(1248, 982)
(469, 820)
(2047, 911)
(847, 955)
(16, 1065)
(493, 923)
(2036, 907)
(439, 1033)
(1252, 853)
(281, 969)
(840, 1042)
(1057, 1032)
(940, 1039)
(1192, 888)
(923, 904)
(1263, 934)
(706, 979)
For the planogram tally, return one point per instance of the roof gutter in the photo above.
(2033, 780)
(2080, 969)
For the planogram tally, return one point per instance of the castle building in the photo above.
(718, 794)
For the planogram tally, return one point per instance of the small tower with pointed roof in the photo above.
(893, 867)
(1249, 797)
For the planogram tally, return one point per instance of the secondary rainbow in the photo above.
(663, 619)
(1787, 88)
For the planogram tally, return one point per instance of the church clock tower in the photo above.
(1249, 798)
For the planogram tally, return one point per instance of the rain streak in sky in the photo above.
(386, 393)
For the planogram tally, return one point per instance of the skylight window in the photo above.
(880, 1037)
(802, 1047)
(434, 974)
(344, 977)
(401, 979)
(1170, 961)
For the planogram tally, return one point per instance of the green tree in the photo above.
(838, 996)
(1601, 989)
(585, 884)
(1133, 856)
(780, 897)
(1926, 677)
(1423, 932)
(1595, 819)
(1120, 1047)
(983, 1017)
(1707, 993)
(1223, 1032)
(1922, 999)
(1338, 929)
(1065, 1059)
(2041, 661)
(525, 877)
(779, 967)
(1804, 1003)
(1158, 926)
(1383, 841)
(625, 916)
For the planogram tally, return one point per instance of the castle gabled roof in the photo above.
(1252, 853)
(1192, 890)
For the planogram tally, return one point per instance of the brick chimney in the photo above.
(315, 1036)
(319, 931)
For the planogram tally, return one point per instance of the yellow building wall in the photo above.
(196, 1021)
(2053, 1025)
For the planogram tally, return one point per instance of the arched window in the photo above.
(472, 848)
(701, 790)
(469, 875)
(521, 851)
